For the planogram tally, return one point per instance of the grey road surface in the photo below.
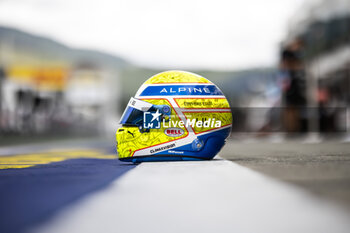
(321, 168)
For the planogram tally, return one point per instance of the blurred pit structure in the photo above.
(315, 62)
(51, 90)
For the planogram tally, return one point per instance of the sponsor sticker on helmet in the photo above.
(174, 132)
(193, 90)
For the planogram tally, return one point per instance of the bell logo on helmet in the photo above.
(174, 132)
(151, 120)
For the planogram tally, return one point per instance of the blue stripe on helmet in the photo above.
(181, 90)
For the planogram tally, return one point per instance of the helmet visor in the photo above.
(133, 114)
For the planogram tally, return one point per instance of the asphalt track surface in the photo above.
(320, 168)
(80, 186)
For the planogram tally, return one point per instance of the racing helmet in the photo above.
(175, 115)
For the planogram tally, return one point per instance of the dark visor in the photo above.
(133, 114)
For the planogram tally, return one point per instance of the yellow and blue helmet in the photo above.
(175, 115)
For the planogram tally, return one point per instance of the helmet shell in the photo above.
(175, 115)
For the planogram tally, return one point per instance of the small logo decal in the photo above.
(151, 120)
(174, 132)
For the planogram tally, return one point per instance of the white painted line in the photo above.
(210, 196)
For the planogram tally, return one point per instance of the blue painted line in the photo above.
(32, 195)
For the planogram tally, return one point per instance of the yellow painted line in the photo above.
(30, 160)
(8, 166)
